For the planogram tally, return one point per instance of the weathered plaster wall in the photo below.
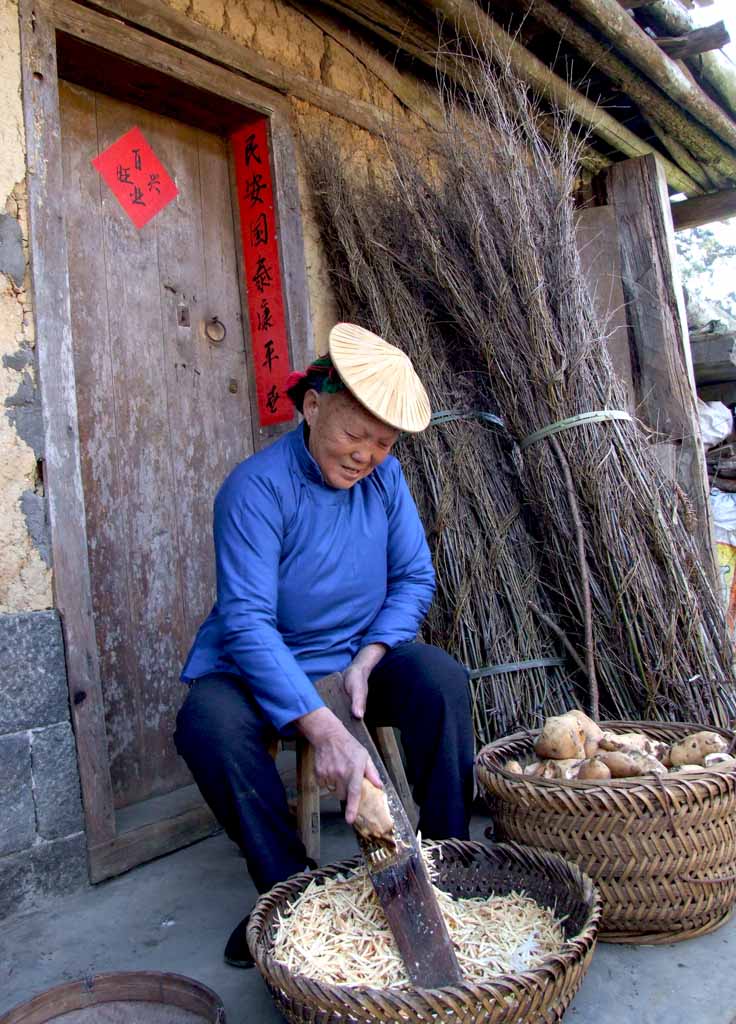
(25, 576)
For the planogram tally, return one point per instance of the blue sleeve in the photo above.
(411, 578)
(249, 526)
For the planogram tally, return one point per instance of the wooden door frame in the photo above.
(111, 848)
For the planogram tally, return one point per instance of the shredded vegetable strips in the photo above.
(335, 932)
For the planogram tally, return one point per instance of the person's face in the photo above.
(345, 441)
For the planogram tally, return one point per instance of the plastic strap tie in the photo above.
(575, 421)
(516, 666)
(448, 415)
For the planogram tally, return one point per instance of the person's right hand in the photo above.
(340, 761)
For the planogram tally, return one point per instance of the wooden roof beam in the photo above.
(713, 67)
(633, 43)
(469, 20)
(692, 213)
(700, 40)
(718, 159)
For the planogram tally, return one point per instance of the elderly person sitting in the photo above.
(322, 565)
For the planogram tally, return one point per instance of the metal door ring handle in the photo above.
(215, 329)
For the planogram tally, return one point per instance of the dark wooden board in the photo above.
(714, 360)
(655, 308)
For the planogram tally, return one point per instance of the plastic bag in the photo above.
(723, 509)
(716, 422)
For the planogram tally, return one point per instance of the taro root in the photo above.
(562, 737)
(694, 748)
(593, 769)
(633, 741)
(373, 819)
(720, 761)
(565, 768)
(629, 765)
(593, 732)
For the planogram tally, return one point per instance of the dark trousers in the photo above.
(223, 737)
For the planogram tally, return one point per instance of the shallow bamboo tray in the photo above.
(662, 852)
(538, 996)
(123, 997)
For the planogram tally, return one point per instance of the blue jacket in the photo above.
(308, 574)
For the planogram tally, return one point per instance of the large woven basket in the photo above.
(466, 869)
(662, 851)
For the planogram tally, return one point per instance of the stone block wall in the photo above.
(42, 841)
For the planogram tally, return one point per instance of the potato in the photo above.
(632, 741)
(562, 737)
(593, 769)
(693, 749)
(631, 764)
(593, 732)
(514, 767)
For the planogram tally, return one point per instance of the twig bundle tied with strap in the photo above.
(459, 470)
(481, 248)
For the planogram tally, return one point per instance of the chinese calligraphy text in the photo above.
(259, 236)
(136, 177)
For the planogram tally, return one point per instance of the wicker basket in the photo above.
(661, 850)
(467, 869)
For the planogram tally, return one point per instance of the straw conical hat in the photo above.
(380, 376)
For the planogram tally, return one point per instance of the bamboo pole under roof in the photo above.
(714, 68)
(469, 20)
(651, 101)
(632, 41)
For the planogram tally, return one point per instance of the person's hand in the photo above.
(355, 681)
(340, 761)
(355, 676)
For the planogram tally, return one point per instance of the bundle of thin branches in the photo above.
(491, 246)
(458, 470)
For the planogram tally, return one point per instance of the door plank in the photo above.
(147, 486)
(165, 415)
(99, 447)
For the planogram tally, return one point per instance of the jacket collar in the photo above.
(305, 461)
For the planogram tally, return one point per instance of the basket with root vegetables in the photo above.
(646, 809)
(523, 923)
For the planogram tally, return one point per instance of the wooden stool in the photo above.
(308, 795)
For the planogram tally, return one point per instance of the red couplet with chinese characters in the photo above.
(136, 177)
(258, 227)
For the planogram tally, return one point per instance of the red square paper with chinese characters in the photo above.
(136, 177)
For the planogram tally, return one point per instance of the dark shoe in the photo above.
(237, 953)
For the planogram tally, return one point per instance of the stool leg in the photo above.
(307, 803)
(388, 748)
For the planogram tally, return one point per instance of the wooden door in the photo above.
(164, 414)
